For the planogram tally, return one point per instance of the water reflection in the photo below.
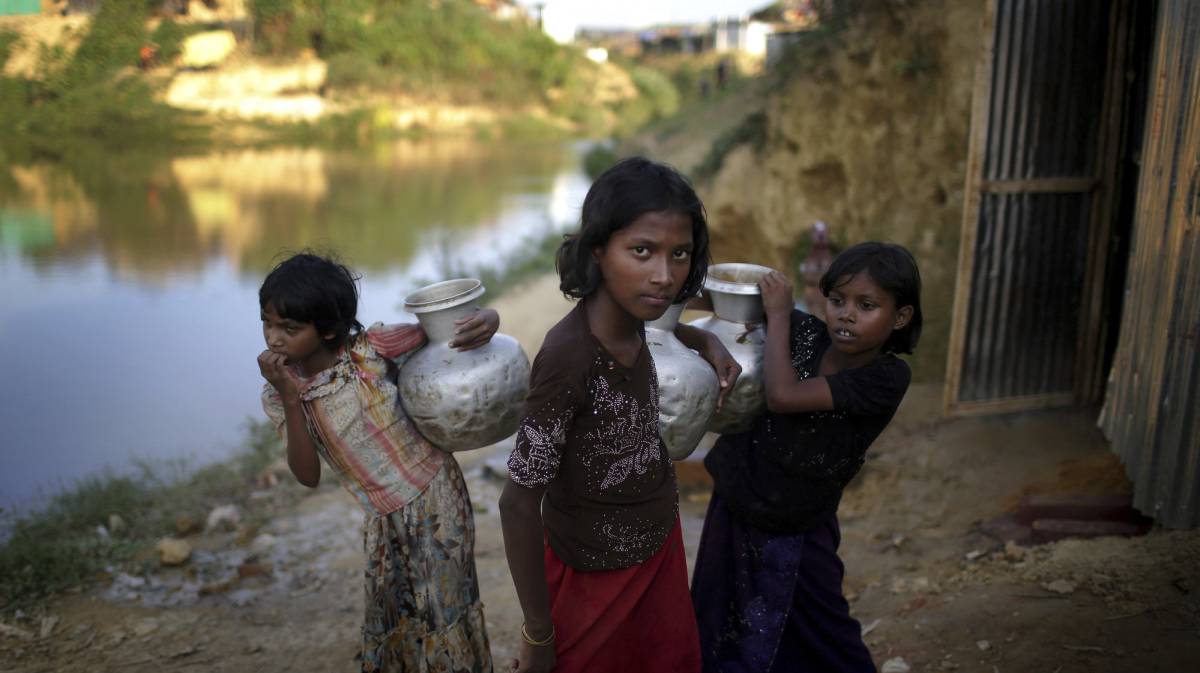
(128, 315)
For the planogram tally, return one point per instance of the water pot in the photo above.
(687, 386)
(737, 321)
(461, 400)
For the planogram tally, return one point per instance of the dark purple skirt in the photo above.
(770, 602)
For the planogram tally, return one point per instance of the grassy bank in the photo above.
(111, 520)
(93, 94)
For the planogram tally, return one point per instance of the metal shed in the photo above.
(1079, 260)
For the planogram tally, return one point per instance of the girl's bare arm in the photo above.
(521, 520)
(301, 452)
(712, 350)
(786, 394)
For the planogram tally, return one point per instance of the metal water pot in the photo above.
(461, 400)
(737, 321)
(687, 386)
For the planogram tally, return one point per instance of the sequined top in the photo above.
(590, 435)
(354, 417)
(786, 473)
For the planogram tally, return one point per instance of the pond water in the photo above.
(128, 287)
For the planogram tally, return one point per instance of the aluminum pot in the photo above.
(461, 400)
(687, 386)
(737, 321)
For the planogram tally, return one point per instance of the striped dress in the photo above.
(423, 611)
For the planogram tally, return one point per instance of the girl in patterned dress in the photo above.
(768, 581)
(331, 391)
(590, 509)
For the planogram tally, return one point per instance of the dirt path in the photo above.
(910, 523)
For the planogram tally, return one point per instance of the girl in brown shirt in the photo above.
(590, 510)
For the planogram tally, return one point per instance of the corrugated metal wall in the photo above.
(1037, 171)
(1152, 407)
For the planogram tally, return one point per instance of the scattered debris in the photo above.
(983, 645)
(116, 524)
(1061, 587)
(15, 632)
(225, 517)
(186, 525)
(1013, 551)
(895, 665)
(253, 570)
(973, 554)
(870, 627)
(1085, 648)
(173, 551)
(47, 626)
(146, 627)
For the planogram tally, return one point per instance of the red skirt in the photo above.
(630, 620)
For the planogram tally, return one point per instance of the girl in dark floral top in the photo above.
(590, 511)
(768, 581)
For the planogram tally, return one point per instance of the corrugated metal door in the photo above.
(1152, 409)
(1038, 196)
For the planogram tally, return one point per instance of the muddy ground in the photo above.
(931, 588)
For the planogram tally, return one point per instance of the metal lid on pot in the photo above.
(735, 278)
(443, 295)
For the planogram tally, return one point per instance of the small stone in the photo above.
(173, 551)
(47, 626)
(145, 627)
(1013, 551)
(218, 586)
(267, 479)
(983, 645)
(263, 544)
(225, 517)
(895, 665)
(15, 632)
(871, 627)
(186, 525)
(116, 524)
(253, 570)
(1062, 587)
(973, 554)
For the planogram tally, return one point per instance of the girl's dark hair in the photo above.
(893, 269)
(310, 288)
(623, 193)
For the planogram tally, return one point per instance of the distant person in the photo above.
(147, 55)
(768, 581)
(722, 73)
(591, 509)
(331, 391)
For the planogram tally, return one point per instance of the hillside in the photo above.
(863, 126)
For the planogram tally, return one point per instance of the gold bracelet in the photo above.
(537, 643)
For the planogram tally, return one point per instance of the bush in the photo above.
(61, 546)
(752, 130)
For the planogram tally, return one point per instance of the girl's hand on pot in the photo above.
(727, 368)
(776, 295)
(475, 330)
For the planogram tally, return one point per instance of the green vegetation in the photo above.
(89, 97)
(752, 130)
(451, 50)
(60, 546)
(535, 256)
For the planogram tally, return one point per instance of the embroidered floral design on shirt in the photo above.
(634, 437)
(543, 434)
